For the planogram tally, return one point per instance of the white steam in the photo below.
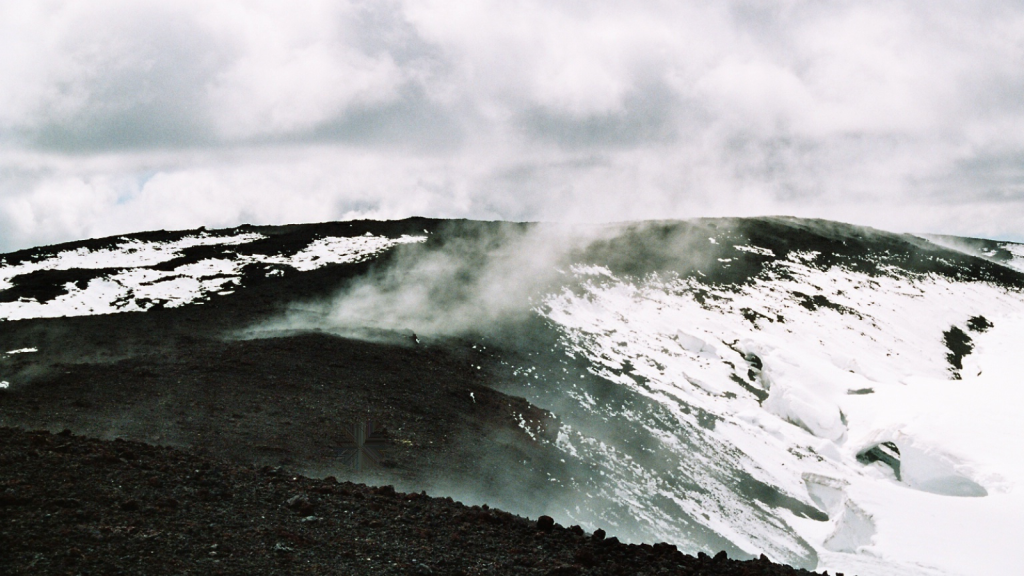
(466, 286)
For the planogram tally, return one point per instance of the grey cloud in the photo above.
(412, 122)
(895, 114)
(989, 176)
(535, 190)
(648, 115)
(380, 27)
(143, 78)
(147, 94)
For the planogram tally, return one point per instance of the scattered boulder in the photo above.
(300, 504)
(545, 523)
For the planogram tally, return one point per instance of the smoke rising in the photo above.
(487, 278)
(466, 279)
(482, 283)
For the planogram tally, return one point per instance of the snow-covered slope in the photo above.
(809, 380)
(1009, 254)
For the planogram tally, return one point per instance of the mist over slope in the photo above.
(829, 395)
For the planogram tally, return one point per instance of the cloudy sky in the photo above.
(122, 116)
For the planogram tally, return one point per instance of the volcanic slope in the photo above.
(827, 395)
(73, 505)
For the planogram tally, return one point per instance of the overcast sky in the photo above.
(125, 116)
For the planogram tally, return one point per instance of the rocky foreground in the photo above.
(76, 505)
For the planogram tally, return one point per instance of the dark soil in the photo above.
(959, 345)
(979, 324)
(283, 401)
(73, 505)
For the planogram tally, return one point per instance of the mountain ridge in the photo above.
(687, 333)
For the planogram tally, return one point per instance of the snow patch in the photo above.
(695, 345)
(130, 253)
(921, 465)
(1017, 260)
(755, 250)
(138, 286)
(828, 493)
(854, 530)
(593, 270)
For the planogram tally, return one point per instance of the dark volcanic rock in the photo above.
(959, 345)
(60, 514)
(277, 401)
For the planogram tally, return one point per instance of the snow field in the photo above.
(866, 365)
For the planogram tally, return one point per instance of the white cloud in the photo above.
(294, 73)
(118, 116)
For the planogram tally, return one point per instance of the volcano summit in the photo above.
(821, 395)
